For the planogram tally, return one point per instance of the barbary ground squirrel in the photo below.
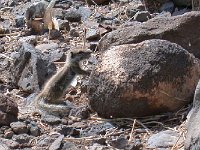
(49, 99)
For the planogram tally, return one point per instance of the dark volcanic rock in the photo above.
(151, 77)
(142, 16)
(72, 16)
(8, 110)
(50, 119)
(181, 29)
(30, 70)
(19, 127)
(64, 25)
(22, 138)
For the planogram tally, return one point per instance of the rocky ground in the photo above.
(30, 55)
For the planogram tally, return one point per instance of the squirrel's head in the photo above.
(77, 56)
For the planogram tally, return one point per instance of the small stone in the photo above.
(142, 16)
(72, 16)
(46, 140)
(64, 121)
(8, 110)
(85, 12)
(55, 34)
(64, 25)
(82, 112)
(133, 9)
(34, 130)
(57, 143)
(93, 45)
(22, 138)
(92, 34)
(50, 119)
(9, 143)
(97, 129)
(70, 146)
(19, 21)
(19, 127)
(66, 131)
(119, 143)
(74, 33)
(56, 55)
(8, 134)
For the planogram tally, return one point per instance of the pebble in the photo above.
(19, 127)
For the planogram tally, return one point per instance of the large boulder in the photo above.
(8, 110)
(30, 68)
(192, 141)
(148, 78)
(182, 30)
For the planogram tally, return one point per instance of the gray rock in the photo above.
(82, 112)
(173, 29)
(97, 129)
(57, 143)
(142, 16)
(45, 141)
(32, 39)
(64, 25)
(22, 138)
(9, 143)
(100, 147)
(30, 70)
(50, 119)
(8, 134)
(72, 16)
(66, 131)
(192, 141)
(55, 34)
(92, 34)
(148, 78)
(19, 21)
(8, 110)
(34, 130)
(56, 55)
(74, 33)
(133, 8)
(19, 127)
(85, 12)
(119, 142)
(168, 6)
(164, 140)
(69, 146)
